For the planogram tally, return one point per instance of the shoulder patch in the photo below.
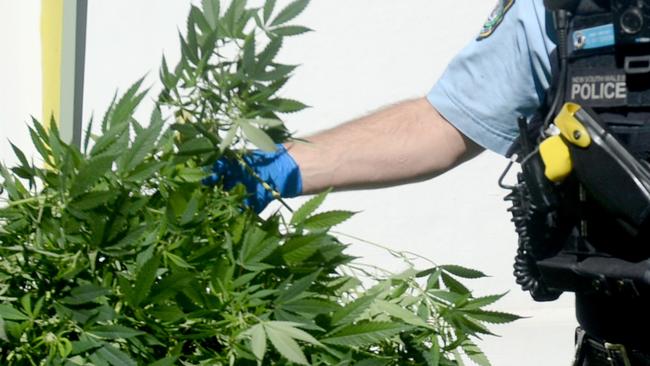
(496, 17)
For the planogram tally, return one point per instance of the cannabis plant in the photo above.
(115, 253)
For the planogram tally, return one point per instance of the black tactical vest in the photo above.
(570, 238)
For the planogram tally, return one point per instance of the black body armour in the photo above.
(590, 232)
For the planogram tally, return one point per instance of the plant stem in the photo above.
(396, 253)
(28, 200)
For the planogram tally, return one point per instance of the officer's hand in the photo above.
(277, 169)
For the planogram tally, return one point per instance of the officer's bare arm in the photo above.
(404, 143)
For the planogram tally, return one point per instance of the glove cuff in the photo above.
(289, 179)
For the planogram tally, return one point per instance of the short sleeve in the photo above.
(498, 77)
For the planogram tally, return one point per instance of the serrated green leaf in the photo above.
(114, 356)
(9, 183)
(186, 130)
(353, 310)
(192, 175)
(266, 122)
(143, 144)
(26, 302)
(458, 358)
(365, 334)
(191, 36)
(3, 332)
(180, 262)
(191, 210)
(292, 330)
(265, 58)
(433, 282)
(115, 332)
(93, 199)
(88, 134)
(211, 10)
(480, 302)
(468, 325)
(229, 138)
(432, 355)
(475, 354)
(257, 136)
(97, 360)
(91, 172)
(286, 346)
(298, 249)
(301, 214)
(124, 108)
(493, 317)
(269, 6)
(55, 143)
(24, 173)
(243, 279)
(374, 362)
(132, 237)
(267, 92)
(256, 247)
(167, 361)
(105, 120)
(206, 31)
(196, 146)
(400, 313)
(85, 294)
(145, 171)
(109, 139)
(427, 272)
(453, 284)
(189, 48)
(145, 279)
(233, 17)
(463, 272)
(297, 288)
(248, 59)
(168, 313)
(41, 147)
(290, 31)
(326, 220)
(20, 155)
(8, 312)
(258, 341)
(279, 72)
(282, 105)
(290, 12)
(311, 306)
(448, 296)
(137, 127)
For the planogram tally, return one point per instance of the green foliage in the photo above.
(118, 255)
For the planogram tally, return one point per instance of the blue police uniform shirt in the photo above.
(500, 77)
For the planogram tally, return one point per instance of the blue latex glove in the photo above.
(277, 168)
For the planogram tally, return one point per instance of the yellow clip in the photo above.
(571, 128)
(556, 157)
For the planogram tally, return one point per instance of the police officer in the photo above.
(501, 75)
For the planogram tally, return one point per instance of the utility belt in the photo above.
(581, 204)
(593, 352)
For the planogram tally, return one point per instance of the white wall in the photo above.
(364, 54)
(20, 72)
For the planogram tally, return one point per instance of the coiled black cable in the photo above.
(530, 224)
(524, 217)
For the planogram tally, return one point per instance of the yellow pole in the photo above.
(51, 44)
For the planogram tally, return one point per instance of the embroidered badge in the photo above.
(496, 17)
